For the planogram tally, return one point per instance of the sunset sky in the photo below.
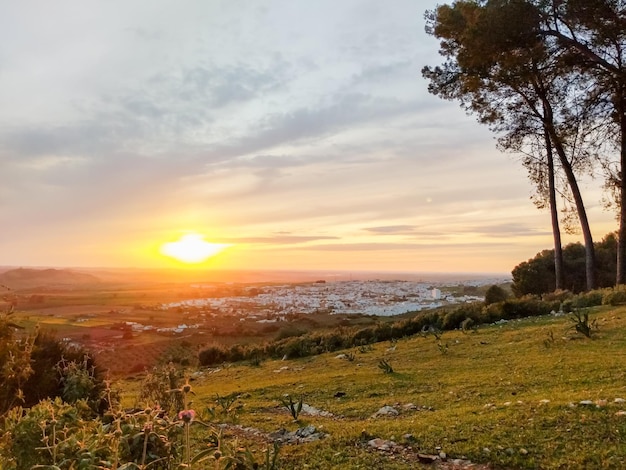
(299, 133)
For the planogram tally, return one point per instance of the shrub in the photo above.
(160, 386)
(385, 367)
(616, 296)
(495, 294)
(213, 355)
(560, 295)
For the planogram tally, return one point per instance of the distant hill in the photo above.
(26, 278)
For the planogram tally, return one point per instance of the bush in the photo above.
(616, 296)
(495, 294)
(213, 355)
(40, 366)
(527, 307)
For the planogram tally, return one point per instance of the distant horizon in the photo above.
(278, 274)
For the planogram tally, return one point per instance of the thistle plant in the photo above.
(385, 366)
(293, 407)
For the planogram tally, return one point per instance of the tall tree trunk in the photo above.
(590, 256)
(621, 236)
(554, 214)
(548, 123)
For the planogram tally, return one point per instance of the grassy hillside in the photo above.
(506, 395)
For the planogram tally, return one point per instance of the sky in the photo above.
(300, 134)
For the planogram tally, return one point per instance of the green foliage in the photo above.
(213, 355)
(293, 407)
(40, 366)
(226, 407)
(161, 388)
(536, 276)
(615, 296)
(495, 294)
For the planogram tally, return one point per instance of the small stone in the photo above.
(409, 438)
(619, 400)
(523, 451)
(601, 403)
(620, 413)
(544, 402)
(486, 450)
(506, 403)
(386, 411)
(443, 456)
(586, 402)
(425, 458)
(381, 444)
(341, 356)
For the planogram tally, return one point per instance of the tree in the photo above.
(536, 276)
(495, 294)
(593, 35)
(500, 69)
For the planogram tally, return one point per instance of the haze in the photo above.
(299, 133)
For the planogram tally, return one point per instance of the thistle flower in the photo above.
(187, 416)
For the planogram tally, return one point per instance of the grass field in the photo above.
(505, 395)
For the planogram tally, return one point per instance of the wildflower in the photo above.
(187, 415)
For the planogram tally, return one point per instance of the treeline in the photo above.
(498, 306)
(537, 275)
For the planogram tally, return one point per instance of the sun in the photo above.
(192, 249)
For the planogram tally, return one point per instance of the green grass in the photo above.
(488, 393)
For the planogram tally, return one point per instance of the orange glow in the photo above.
(191, 249)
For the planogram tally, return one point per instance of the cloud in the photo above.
(509, 230)
(392, 229)
(280, 239)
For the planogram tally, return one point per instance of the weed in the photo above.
(581, 323)
(293, 407)
(385, 366)
(549, 341)
(468, 325)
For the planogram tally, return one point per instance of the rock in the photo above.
(410, 407)
(381, 444)
(306, 434)
(386, 411)
(586, 402)
(523, 451)
(619, 400)
(601, 403)
(310, 410)
(306, 431)
(341, 356)
(443, 456)
(544, 402)
(620, 413)
(426, 458)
